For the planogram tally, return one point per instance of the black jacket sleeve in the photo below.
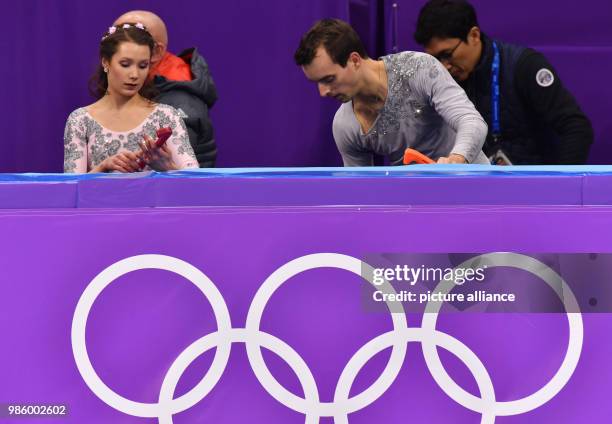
(544, 95)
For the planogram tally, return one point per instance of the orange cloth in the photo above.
(173, 68)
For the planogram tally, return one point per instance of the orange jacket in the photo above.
(173, 68)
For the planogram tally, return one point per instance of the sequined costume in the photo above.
(425, 109)
(87, 143)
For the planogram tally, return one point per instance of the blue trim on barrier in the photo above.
(451, 185)
(369, 172)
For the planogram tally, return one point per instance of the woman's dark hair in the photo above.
(445, 19)
(136, 33)
(337, 37)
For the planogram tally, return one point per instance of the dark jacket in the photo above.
(194, 98)
(541, 122)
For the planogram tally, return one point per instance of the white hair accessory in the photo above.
(113, 29)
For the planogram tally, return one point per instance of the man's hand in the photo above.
(453, 158)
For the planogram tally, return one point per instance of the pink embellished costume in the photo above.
(87, 143)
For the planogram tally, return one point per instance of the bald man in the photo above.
(184, 82)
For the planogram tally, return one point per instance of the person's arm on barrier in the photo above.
(544, 95)
(436, 85)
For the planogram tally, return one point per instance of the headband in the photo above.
(114, 28)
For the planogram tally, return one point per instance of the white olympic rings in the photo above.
(254, 339)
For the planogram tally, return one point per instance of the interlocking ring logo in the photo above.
(342, 405)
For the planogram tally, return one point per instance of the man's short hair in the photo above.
(445, 19)
(337, 37)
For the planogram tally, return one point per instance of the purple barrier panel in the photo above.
(312, 191)
(597, 191)
(120, 192)
(137, 314)
(26, 195)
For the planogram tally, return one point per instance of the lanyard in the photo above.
(495, 109)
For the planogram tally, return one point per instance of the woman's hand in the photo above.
(122, 162)
(158, 158)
